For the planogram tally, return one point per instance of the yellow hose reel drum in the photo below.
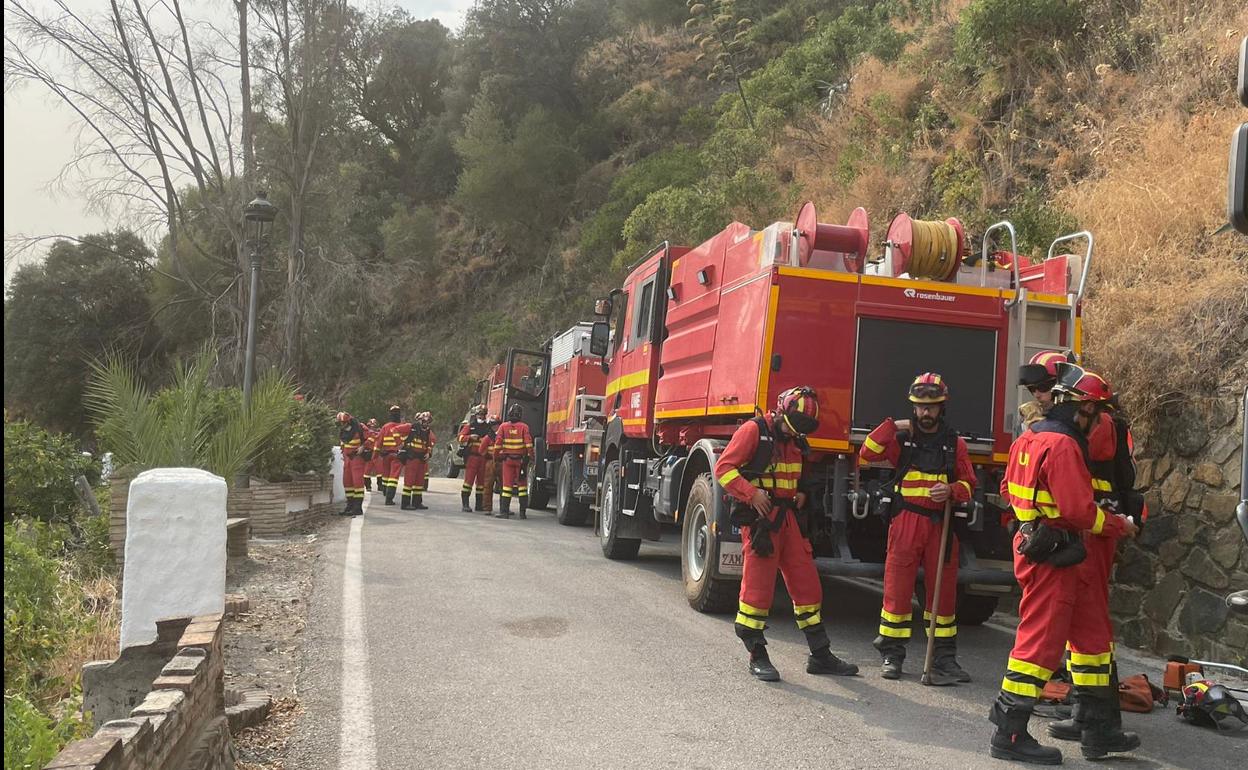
(926, 250)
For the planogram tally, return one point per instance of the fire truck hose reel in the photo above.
(848, 240)
(925, 249)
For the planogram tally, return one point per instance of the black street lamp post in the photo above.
(259, 215)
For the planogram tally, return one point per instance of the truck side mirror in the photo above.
(1237, 181)
(599, 338)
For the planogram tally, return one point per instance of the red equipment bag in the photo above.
(1136, 693)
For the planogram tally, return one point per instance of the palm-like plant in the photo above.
(180, 429)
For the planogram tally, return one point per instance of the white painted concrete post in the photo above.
(175, 550)
(340, 492)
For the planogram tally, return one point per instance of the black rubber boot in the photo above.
(1012, 741)
(524, 505)
(406, 504)
(1069, 729)
(418, 503)
(481, 503)
(463, 498)
(390, 495)
(824, 662)
(368, 484)
(358, 508)
(504, 508)
(948, 668)
(1102, 727)
(761, 667)
(891, 667)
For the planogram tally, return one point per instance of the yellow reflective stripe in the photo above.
(946, 631)
(966, 484)
(750, 622)
(873, 446)
(942, 619)
(628, 381)
(810, 621)
(1083, 659)
(916, 491)
(1020, 688)
(1099, 524)
(786, 468)
(920, 476)
(743, 607)
(798, 609)
(729, 476)
(1025, 514)
(1101, 485)
(1030, 669)
(1089, 680)
(891, 618)
(1025, 493)
(896, 633)
(770, 483)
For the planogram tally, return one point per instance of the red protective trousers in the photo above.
(1091, 630)
(414, 472)
(353, 476)
(513, 484)
(794, 558)
(1050, 601)
(914, 540)
(392, 468)
(474, 474)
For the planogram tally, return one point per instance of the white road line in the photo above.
(356, 749)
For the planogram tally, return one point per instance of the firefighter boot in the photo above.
(368, 484)
(1102, 726)
(945, 662)
(480, 501)
(1012, 741)
(504, 509)
(761, 667)
(524, 505)
(893, 651)
(891, 668)
(418, 503)
(463, 498)
(349, 509)
(824, 662)
(407, 503)
(1069, 729)
(390, 495)
(356, 508)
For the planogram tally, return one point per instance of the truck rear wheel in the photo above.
(452, 470)
(975, 610)
(539, 493)
(568, 510)
(614, 546)
(699, 553)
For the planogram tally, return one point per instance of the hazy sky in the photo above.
(39, 138)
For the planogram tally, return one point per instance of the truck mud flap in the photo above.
(729, 563)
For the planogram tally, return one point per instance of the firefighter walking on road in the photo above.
(1048, 485)
(351, 438)
(389, 441)
(513, 446)
(933, 468)
(415, 453)
(760, 468)
(471, 436)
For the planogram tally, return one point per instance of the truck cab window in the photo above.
(642, 312)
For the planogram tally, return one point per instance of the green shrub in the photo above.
(39, 472)
(1037, 223)
(33, 738)
(300, 446)
(994, 31)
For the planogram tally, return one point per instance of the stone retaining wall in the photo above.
(179, 722)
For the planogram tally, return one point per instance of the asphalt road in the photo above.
(450, 640)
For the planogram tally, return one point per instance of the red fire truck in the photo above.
(699, 339)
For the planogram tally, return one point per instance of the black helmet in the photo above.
(1211, 705)
(395, 413)
(515, 412)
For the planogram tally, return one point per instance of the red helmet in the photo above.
(424, 418)
(1042, 368)
(929, 388)
(343, 417)
(1074, 383)
(372, 422)
(799, 407)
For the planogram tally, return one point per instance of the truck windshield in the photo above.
(528, 374)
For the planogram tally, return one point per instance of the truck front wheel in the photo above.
(614, 546)
(568, 510)
(975, 610)
(699, 553)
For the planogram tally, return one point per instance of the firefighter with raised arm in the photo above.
(933, 468)
(1049, 487)
(513, 446)
(351, 438)
(1112, 467)
(760, 469)
(415, 452)
(470, 437)
(388, 441)
(1039, 375)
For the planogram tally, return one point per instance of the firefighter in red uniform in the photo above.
(1048, 485)
(1113, 487)
(372, 458)
(415, 453)
(513, 446)
(489, 467)
(351, 440)
(470, 438)
(760, 469)
(933, 467)
(389, 441)
(1039, 376)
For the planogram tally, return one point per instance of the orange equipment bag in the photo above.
(1136, 693)
(1176, 675)
(1056, 691)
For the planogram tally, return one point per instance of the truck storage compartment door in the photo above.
(746, 313)
(692, 317)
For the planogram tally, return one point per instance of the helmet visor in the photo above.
(801, 424)
(927, 393)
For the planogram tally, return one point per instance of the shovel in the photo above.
(935, 678)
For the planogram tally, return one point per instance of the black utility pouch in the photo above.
(1040, 543)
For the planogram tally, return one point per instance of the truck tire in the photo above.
(539, 493)
(614, 546)
(568, 510)
(452, 470)
(699, 552)
(975, 610)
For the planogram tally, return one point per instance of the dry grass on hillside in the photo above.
(100, 642)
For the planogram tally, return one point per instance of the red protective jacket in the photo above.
(476, 442)
(1046, 477)
(391, 436)
(916, 486)
(782, 474)
(419, 448)
(513, 439)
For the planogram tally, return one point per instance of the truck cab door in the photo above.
(634, 370)
(526, 382)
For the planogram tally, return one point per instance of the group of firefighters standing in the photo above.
(1069, 488)
(401, 450)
